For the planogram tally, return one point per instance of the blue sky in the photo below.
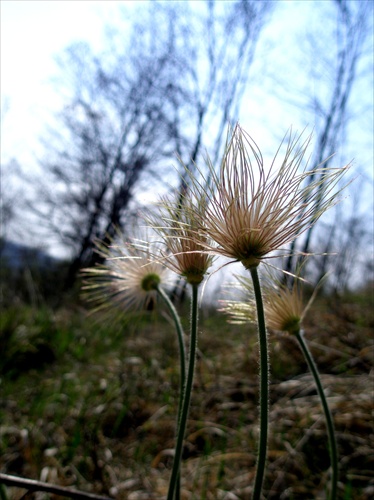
(33, 33)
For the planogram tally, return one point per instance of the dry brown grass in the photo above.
(102, 418)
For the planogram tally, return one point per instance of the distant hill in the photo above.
(17, 255)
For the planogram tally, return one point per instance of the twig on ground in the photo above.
(33, 485)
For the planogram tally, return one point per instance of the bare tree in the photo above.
(9, 200)
(219, 42)
(115, 127)
(169, 88)
(344, 244)
(219, 48)
(352, 28)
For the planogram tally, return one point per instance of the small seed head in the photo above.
(150, 282)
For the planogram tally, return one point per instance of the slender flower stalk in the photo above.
(178, 223)
(132, 279)
(264, 386)
(251, 212)
(299, 334)
(285, 311)
(182, 355)
(182, 349)
(187, 394)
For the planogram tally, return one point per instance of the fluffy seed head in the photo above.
(284, 307)
(177, 222)
(251, 212)
(128, 278)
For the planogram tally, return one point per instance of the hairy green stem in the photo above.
(182, 359)
(187, 393)
(182, 350)
(264, 386)
(329, 421)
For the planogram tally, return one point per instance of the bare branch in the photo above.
(33, 485)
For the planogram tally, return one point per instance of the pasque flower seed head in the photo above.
(250, 211)
(128, 278)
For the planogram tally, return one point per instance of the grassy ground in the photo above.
(92, 405)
